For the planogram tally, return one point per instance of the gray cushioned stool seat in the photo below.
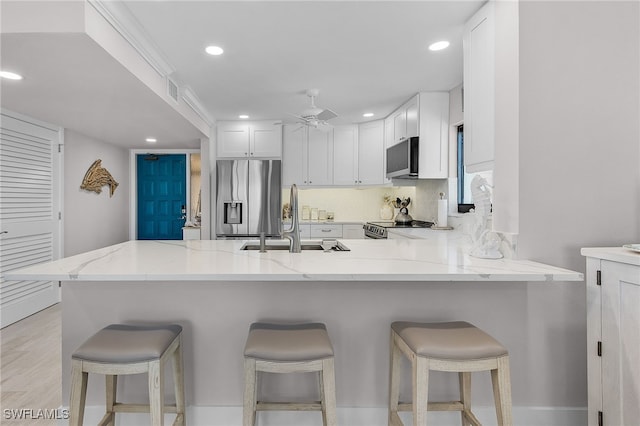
(448, 340)
(120, 343)
(288, 342)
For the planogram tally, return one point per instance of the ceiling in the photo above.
(363, 56)
(72, 82)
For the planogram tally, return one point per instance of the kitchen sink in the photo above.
(331, 245)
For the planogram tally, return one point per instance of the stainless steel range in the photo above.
(379, 229)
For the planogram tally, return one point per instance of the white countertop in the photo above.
(441, 256)
(615, 254)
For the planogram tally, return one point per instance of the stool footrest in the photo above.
(119, 407)
(289, 406)
(434, 406)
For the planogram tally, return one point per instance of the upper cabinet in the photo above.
(345, 155)
(257, 139)
(479, 90)
(358, 154)
(307, 158)
(433, 119)
(403, 122)
(425, 115)
(371, 152)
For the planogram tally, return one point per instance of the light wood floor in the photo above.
(30, 365)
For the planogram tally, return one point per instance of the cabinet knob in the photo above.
(246, 153)
(359, 181)
(251, 153)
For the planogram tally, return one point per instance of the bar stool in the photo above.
(448, 346)
(279, 348)
(120, 349)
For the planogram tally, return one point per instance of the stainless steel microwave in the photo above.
(402, 159)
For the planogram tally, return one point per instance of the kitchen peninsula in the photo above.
(215, 291)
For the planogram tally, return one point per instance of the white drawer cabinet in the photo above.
(326, 230)
(352, 231)
(305, 231)
(613, 336)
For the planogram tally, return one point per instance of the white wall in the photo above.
(579, 170)
(94, 220)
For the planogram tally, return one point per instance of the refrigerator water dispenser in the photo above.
(233, 212)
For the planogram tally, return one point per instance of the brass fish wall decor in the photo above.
(97, 177)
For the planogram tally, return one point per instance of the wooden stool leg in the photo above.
(420, 367)
(250, 393)
(178, 379)
(156, 393)
(78, 396)
(501, 381)
(111, 385)
(465, 396)
(329, 392)
(395, 364)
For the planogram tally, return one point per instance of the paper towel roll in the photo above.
(442, 213)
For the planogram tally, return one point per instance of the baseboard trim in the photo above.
(353, 416)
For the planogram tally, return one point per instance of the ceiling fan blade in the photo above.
(327, 114)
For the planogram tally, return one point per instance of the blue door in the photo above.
(162, 183)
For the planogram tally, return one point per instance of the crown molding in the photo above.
(192, 100)
(123, 21)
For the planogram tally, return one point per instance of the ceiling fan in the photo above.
(314, 116)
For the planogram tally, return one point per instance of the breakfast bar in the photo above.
(215, 290)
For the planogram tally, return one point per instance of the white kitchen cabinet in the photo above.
(307, 158)
(319, 157)
(425, 115)
(358, 154)
(345, 155)
(433, 117)
(388, 132)
(352, 231)
(294, 155)
(479, 90)
(411, 117)
(305, 231)
(326, 230)
(403, 122)
(613, 336)
(258, 139)
(371, 151)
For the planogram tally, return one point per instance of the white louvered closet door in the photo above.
(29, 206)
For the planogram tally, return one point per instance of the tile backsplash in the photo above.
(364, 204)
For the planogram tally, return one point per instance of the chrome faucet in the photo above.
(293, 234)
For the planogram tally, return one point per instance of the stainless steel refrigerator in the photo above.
(248, 198)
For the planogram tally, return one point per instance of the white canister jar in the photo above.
(386, 212)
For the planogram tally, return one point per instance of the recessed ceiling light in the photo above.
(151, 140)
(243, 116)
(367, 114)
(439, 45)
(10, 75)
(214, 50)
